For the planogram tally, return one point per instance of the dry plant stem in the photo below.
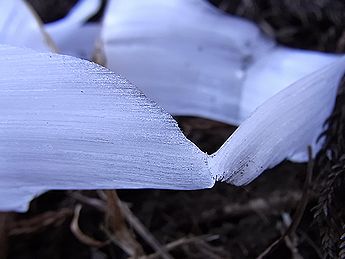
(143, 232)
(202, 249)
(4, 219)
(93, 202)
(79, 234)
(299, 211)
(289, 200)
(291, 243)
(38, 222)
(98, 55)
(115, 222)
(179, 242)
(131, 219)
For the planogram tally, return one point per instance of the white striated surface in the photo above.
(184, 54)
(282, 127)
(66, 123)
(70, 124)
(19, 26)
(192, 59)
(276, 70)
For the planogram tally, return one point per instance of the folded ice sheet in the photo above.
(185, 55)
(283, 126)
(70, 124)
(66, 123)
(193, 59)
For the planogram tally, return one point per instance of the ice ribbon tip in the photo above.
(282, 127)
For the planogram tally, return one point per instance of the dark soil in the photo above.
(223, 222)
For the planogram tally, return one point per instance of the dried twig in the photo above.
(131, 219)
(39, 222)
(202, 249)
(93, 202)
(291, 241)
(179, 242)
(98, 55)
(274, 202)
(300, 209)
(144, 232)
(116, 223)
(79, 234)
(291, 244)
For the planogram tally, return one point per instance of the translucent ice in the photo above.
(193, 59)
(282, 127)
(72, 34)
(20, 26)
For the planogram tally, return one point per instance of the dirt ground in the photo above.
(223, 222)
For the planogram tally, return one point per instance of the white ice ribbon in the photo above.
(66, 123)
(20, 26)
(72, 35)
(193, 59)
